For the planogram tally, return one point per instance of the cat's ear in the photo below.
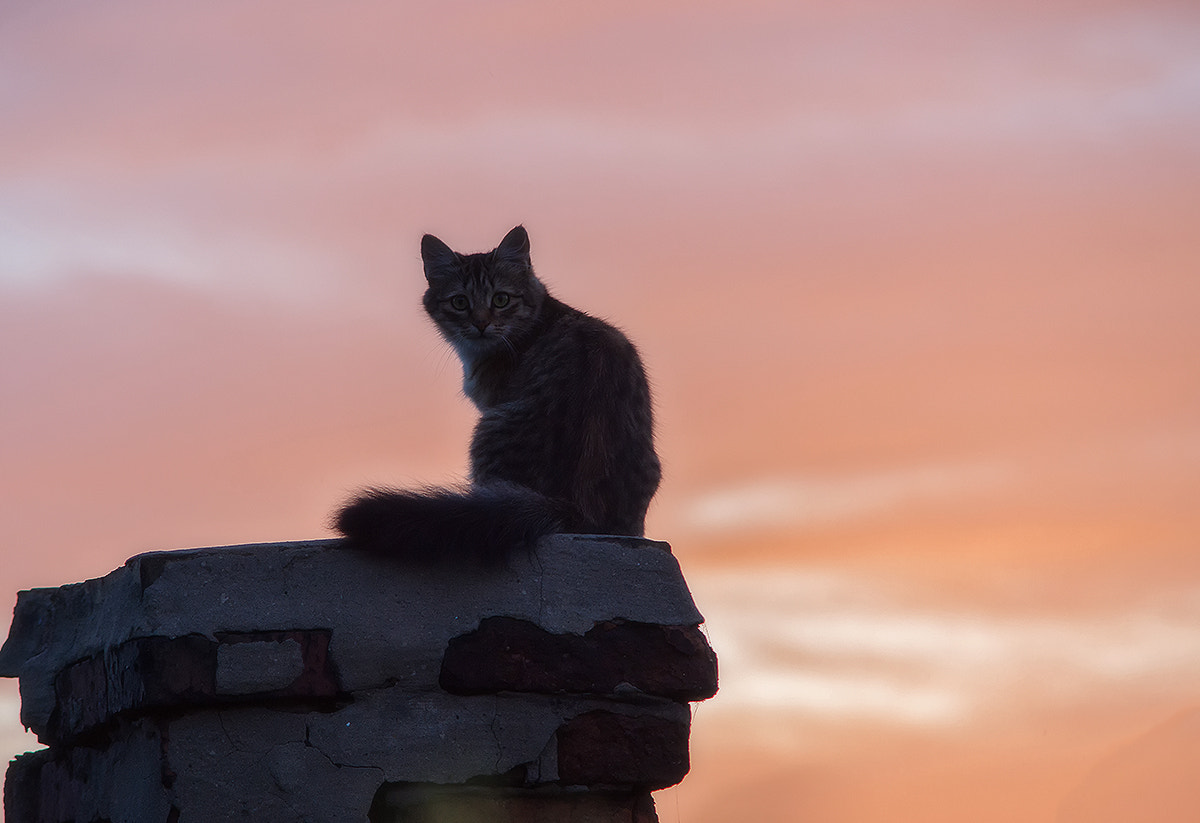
(437, 257)
(515, 246)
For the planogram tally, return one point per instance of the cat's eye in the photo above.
(459, 302)
(500, 299)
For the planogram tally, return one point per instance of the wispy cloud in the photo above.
(45, 245)
(835, 646)
(815, 500)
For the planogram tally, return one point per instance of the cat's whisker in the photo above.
(511, 348)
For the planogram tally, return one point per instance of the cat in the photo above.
(565, 436)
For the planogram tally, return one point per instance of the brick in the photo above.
(603, 748)
(153, 673)
(507, 654)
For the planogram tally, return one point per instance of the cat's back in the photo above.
(578, 426)
(579, 352)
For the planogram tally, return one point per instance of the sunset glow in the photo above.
(917, 284)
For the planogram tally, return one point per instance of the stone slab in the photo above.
(388, 622)
(439, 738)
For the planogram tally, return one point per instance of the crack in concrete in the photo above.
(310, 745)
(233, 746)
(494, 728)
(338, 765)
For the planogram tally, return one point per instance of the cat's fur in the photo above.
(564, 441)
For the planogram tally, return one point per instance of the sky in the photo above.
(916, 284)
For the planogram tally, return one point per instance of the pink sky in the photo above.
(917, 285)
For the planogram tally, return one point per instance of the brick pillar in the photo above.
(297, 682)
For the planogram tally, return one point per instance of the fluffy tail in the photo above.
(483, 524)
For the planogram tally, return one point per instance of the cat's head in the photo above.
(483, 302)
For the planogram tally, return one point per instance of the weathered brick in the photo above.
(506, 654)
(317, 676)
(160, 672)
(603, 748)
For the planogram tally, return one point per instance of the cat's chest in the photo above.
(492, 383)
(516, 374)
(481, 390)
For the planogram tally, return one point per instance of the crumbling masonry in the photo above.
(292, 682)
